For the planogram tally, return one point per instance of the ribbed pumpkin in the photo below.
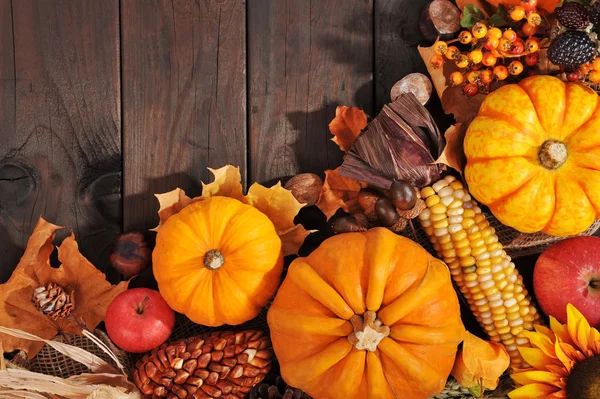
(366, 315)
(218, 261)
(533, 156)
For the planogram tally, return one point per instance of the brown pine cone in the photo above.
(276, 388)
(220, 364)
(52, 300)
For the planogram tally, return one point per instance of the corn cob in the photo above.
(479, 266)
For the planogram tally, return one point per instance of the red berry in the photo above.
(470, 89)
(532, 59)
(574, 76)
(518, 47)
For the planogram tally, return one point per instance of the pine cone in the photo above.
(276, 388)
(221, 364)
(52, 300)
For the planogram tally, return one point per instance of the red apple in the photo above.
(139, 320)
(569, 272)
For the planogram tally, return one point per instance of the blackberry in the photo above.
(594, 15)
(573, 16)
(571, 49)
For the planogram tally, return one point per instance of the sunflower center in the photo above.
(368, 332)
(584, 380)
(553, 154)
(213, 259)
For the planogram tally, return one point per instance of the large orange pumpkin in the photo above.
(218, 261)
(533, 156)
(366, 315)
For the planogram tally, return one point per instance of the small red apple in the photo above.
(139, 320)
(569, 272)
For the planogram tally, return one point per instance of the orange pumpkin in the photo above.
(533, 156)
(366, 315)
(218, 261)
(546, 5)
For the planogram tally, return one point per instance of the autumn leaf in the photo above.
(170, 203)
(76, 275)
(480, 363)
(453, 154)
(484, 6)
(281, 207)
(228, 183)
(347, 125)
(278, 203)
(339, 192)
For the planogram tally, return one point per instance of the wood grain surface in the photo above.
(304, 59)
(60, 126)
(184, 97)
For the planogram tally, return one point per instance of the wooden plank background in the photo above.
(104, 103)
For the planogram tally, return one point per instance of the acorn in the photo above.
(367, 199)
(386, 212)
(130, 254)
(404, 195)
(346, 224)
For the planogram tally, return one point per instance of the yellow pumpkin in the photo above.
(218, 261)
(366, 315)
(533, 156)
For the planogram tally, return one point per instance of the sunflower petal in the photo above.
(560, 394)
(594, 340)
(567, 354)
(560, 330)
(579, 328)
(533, 391)
(541, 341)
(537, 358)
(558, 370)
(537, 376)
(545, 331)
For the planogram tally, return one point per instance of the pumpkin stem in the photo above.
(213, 259)
(552, 154)
(369, 331)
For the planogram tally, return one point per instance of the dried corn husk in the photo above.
(104, 382)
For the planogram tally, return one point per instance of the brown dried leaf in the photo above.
(339, 192)
(454, 155)
(546, 5)
(347, 125)
(281, 207)
(453, 100)
(76, 274)
(278, 203)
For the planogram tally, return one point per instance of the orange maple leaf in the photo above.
(339, 192)
(347, 125)
(76, 275)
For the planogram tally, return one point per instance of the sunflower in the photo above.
(564, 359)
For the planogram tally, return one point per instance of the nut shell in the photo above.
(404, 195)
(386, 212)
(305, 187)
(130, 254)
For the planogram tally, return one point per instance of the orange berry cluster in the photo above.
(589, 72)
(493, 54)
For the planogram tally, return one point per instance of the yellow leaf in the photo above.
(347, 125)
(453, 154)
(480, 360)
(170, 204)
(339, 192)
(76, 275)
(227, 183)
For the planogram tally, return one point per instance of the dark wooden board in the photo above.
(60, 123)
(305, 58)
(396, 38)
(184, 97)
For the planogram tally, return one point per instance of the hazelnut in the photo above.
(305, 187)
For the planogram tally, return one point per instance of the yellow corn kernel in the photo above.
(433, 200)
(438, 209)
(427, 192)
(441, 223)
